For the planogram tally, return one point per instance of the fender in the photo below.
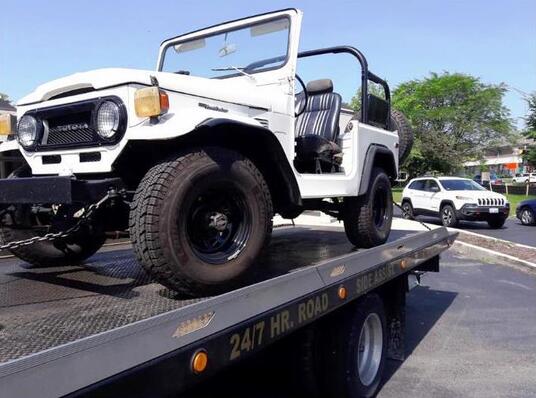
(377, 155)
(262, 147)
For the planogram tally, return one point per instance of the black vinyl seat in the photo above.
(317, 129)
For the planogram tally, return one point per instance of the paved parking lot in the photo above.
(512, 230)
(471, 333)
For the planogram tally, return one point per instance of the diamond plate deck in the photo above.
(44, 308)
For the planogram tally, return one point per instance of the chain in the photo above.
(86, 215)
(420, 222)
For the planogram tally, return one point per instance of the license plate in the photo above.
(493, 210)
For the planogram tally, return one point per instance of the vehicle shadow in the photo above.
(424, 307)
(113, 274)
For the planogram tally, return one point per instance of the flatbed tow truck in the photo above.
(107, 330)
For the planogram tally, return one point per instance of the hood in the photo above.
(220, 89)
(478, 194)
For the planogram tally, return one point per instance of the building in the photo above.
(504, 160)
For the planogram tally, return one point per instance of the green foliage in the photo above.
(530, 154)
(455, 117)
(4, 97)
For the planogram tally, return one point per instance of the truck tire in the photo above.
(405, 134)
(199, 221)
(367, 218)
(448, 216)
(355, 350)
(60, 252)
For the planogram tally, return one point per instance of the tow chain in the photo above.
(51, 236)
(420, 222)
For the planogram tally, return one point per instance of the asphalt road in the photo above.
(470, 333)
(512, 230)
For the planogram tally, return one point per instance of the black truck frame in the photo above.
(156, 355)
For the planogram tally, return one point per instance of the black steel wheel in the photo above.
(199, 221)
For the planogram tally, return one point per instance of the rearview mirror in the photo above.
(227, 49)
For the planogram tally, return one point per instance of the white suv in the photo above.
(454, 199)
(524, 178)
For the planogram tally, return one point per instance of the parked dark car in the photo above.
(526, 212)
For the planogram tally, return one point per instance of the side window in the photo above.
(431, 186)
(417, 185)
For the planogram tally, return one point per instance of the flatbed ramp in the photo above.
(71, 329)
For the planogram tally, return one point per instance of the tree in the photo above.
(455, 117)
(530, 132)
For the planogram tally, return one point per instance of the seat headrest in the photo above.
(320, 86)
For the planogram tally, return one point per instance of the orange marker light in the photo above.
(403, 264)
(199, 361)
(342, 293)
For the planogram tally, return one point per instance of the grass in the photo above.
(512, 198)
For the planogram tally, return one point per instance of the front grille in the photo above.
(61, 137)
(69, 129)
(72, 125)
(490, 202)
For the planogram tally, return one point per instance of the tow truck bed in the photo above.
(77, 330)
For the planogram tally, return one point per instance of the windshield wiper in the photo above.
(239, 69)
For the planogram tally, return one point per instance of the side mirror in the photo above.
(434, 188)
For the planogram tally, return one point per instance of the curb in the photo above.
(517, 261)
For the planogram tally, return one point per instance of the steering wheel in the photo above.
(306, 97)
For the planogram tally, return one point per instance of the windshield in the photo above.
(243, 51)
(461, 185)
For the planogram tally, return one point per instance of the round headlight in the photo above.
(108, 119)
(27, 131)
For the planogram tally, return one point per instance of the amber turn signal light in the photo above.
(150, 102)
(199, 361)
(7, 124)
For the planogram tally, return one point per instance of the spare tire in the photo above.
(405, 134)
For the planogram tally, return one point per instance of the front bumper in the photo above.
(472, 212)
(55, 190)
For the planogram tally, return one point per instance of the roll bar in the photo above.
(366, 75)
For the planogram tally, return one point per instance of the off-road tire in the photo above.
(407, 210)
(340, 376)
(363, 226)
(496, 223)
(448, 216)
(61, 252)
(405, 134)
(159, 228)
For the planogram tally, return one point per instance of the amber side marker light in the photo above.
(150, 102)
(7, 124)
(199, 361)
(342, 293)
(404, 264)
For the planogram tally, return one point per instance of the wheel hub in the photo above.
(218, 221)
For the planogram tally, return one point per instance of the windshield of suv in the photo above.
(243, 51)
(461, 185)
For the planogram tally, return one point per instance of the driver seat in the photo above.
(317, 129)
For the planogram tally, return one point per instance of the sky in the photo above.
(402, 40)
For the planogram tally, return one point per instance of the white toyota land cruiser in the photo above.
(195, 157)
(453, 199)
